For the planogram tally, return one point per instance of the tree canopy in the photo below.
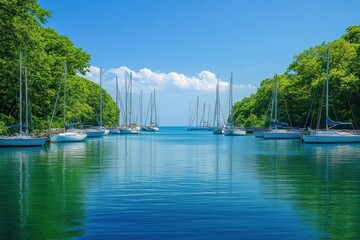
(303, 83)
(22, 29)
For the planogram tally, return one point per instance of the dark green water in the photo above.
(180, 185)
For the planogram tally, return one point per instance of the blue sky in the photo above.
(179, 46)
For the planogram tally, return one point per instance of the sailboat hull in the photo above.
(152, 129)
(128, 131)
(94, 134)
(281, 134)
(68, 137)
(114, 131)
(234, 132)
(21, 142)
(331, 137)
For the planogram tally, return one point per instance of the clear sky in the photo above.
(179, 47)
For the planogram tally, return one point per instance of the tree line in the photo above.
(22, 29)
(303, 85)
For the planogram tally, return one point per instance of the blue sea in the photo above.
(178, 184)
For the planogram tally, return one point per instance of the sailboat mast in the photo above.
(26, 105)
(130, 95)
(155, 110)
(117, 99)
(231, 98)
(216, 118)
(217, 103)
(151, 108)
(141, 107)
(20, 104)
(197, 111)
(64, 97)
(100, 98)
(327, 88)
(126, 100)
(276, 100)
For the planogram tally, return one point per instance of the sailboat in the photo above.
(231, 129)
(99, 131)
(153, 126)
(217, 126)
(275, 132)
(330, 135)
(128, 127)
(22, 139)
(116, 129)
(201, 125)
(66, 136)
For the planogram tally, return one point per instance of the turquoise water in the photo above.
(180, 185)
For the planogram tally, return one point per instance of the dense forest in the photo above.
(44, 51)
(303, 85)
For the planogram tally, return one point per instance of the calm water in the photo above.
(180, 185)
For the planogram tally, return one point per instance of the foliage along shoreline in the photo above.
(44, 53)
(304, 77)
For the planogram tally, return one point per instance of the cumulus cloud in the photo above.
(147, 80)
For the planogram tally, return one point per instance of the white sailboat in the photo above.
(330, 135)
(116, 129)
(231, 129)
(68, 135)
(128, 127)
(201, 125)
(99, 131)
(217, 125)
(22, 139)
(275, 132)
(153, 126)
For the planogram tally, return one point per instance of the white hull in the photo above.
(234, 132)
(106, 132)
(114, 131)
(330, 137)
(68, 137)
(281, 134)
(21, 141)
(94, 134)
(152, 129)
(128, 131)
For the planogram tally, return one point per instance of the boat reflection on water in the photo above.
(42, 190)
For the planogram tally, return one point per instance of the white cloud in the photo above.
(147, 80)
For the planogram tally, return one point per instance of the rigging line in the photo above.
(122, 112)
(148, 109)
(56, 101)
(312, 103)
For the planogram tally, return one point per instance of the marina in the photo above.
(179, 120)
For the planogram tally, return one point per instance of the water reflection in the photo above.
(320, 181)
(41, 199)
(175, 185)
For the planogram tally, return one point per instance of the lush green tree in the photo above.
(44, 54)
(304, 83)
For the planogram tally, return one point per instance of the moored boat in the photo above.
(234, 131)
(330, 135)
(23, 139)
(66, 136)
